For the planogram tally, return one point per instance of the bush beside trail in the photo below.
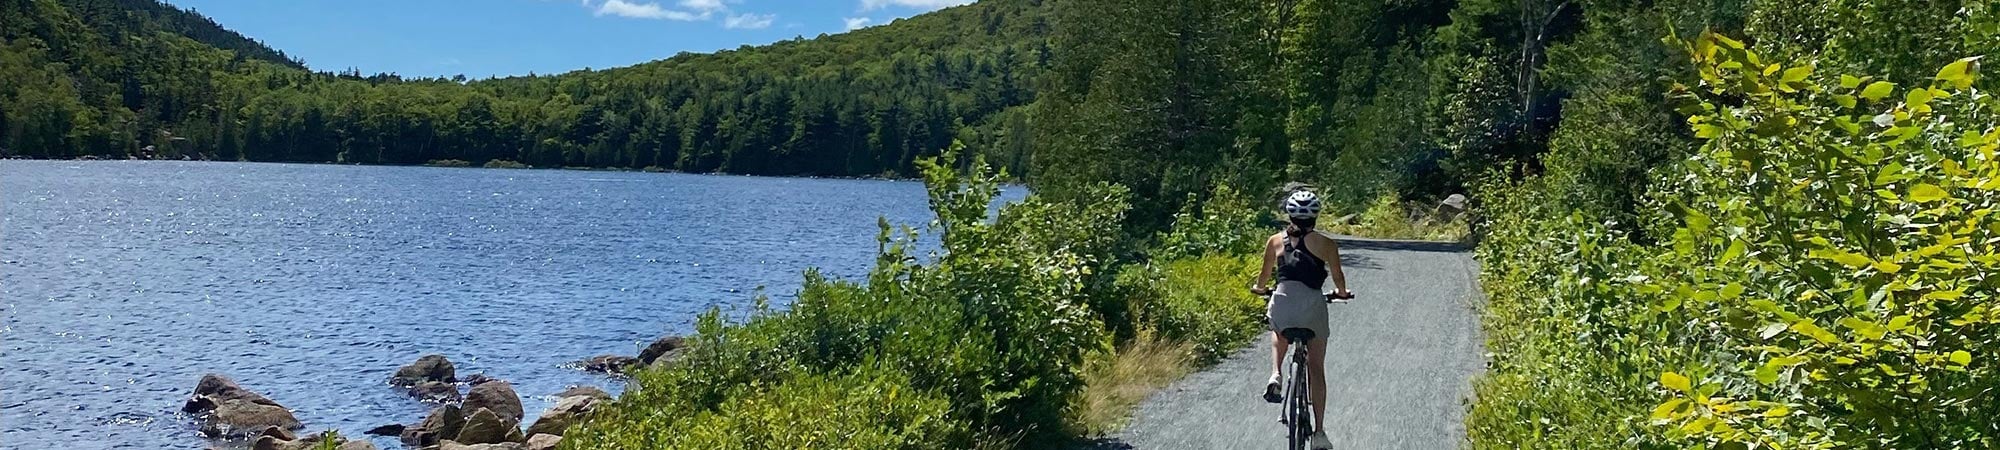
(985, 343)
(1815, 275)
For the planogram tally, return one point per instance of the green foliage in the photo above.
(1200, 301)
(1810, 277)
(1391, 217)
(1164, 98)
(988, 337)
(868, 409)
(1838, 248)
(1226, 223)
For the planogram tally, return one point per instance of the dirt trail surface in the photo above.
(1399, 364)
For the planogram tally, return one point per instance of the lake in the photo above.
(122, 282)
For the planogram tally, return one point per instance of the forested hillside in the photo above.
(116, 78)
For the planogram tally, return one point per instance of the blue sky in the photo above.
(481, 38)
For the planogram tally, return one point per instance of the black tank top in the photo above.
(1295, 263)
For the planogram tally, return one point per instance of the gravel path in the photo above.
(1399, 365)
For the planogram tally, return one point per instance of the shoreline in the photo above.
(483, 167)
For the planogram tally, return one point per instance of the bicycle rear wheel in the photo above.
(1298, 409)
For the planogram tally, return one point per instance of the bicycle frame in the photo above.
(1297, 411)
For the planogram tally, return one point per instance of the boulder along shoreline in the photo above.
(486, 415)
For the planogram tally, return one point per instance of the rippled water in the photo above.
(121, 282)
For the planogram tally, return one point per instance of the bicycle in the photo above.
(1296, 412)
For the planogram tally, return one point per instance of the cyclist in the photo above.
(1302, 260)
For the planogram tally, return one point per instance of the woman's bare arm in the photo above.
(1329, 251)
(1270, 261)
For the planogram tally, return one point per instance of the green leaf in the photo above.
(1845, 101)
(1707, 131)
(1961, 358)
(1767, 374)
(1926, 193)
(1917, 97)
(1959, 73)
(1971, 139)
(1676, 382)
(1878, 90)
(1887, 267)
(1796, 74)
(1849, 81)
(1670, 303)
(1735, 249)
(1944, 295)
(1845, 258)
(1867, 329)
(1666, 410)
(1727, 42)
(1732, 291)
(1807, 328)
(1697, 222)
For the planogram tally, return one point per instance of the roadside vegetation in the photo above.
(1026, 329)
(1389, 217)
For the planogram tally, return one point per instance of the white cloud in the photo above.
(870, 5)
(749, 21)
(855, 23)
(704, 5)
(622, 8)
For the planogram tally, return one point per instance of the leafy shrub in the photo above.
(1837, 239)
(1200, 301)
(1820, 280)
(988, 336)
(1225, 223)
(868, 409)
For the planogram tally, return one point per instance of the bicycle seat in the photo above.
(1297, 334)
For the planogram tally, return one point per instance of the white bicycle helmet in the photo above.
(1302, 205)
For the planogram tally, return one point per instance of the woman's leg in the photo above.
(1277, 354)
(1316, 372)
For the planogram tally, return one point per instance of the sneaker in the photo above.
(1319, 441)
(1271, 391)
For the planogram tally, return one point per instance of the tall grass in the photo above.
(1115, 383)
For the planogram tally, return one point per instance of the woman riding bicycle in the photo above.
(1303, 261)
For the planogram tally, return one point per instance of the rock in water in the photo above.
(443, 423)
(668, 348)
(566, 412)
(592, 391)
(227, 410)
(214, 389)
(394, 429)
(497, 396)
(275, 442)
(484, 426)
(453, 445)
(428, 368)
(543, 442)
(611, 364)
(237, 417)
(435, 391)
(280, 433)
(478, 379)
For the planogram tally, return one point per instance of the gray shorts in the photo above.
(1295, 305)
